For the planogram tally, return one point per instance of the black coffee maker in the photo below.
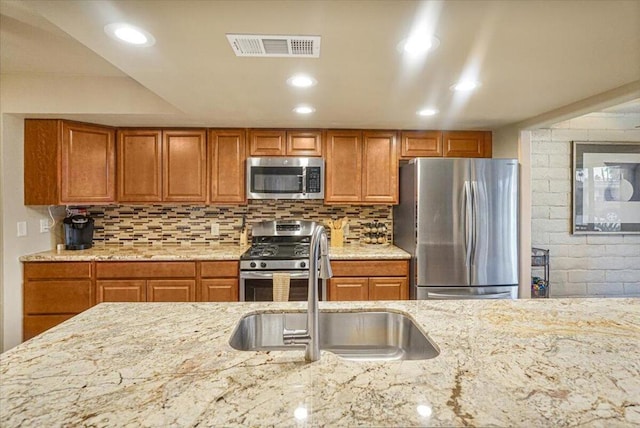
(78, 232)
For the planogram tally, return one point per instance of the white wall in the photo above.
(48, 95)
(13, 246)
(581, 265)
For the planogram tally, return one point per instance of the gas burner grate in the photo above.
(264, 250)
(301, 250)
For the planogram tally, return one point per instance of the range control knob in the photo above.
(252, 264)
(263, 265)
(303, 264)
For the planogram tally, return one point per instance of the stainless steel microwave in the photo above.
(285, 178)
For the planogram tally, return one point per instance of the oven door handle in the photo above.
(269, 275)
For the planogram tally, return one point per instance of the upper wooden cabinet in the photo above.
(139, 165)
(227, 155)
(467, 144)
(184, 165)
(362, 167)
(68, 163)
(379, 167)
(294, 142)
(464, 144)
(162, 165)
(420, 144)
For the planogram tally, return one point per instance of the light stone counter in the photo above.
(141, 253)
(525, 363)
(199, 252)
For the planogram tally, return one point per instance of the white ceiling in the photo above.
(532, 57)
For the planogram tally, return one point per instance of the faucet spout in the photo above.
(319, 250)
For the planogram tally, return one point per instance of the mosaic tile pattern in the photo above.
(191, 224)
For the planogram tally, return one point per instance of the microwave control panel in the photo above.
(313, 180)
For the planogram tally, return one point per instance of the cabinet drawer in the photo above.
(33, 325)
(218, 269)
(370, 268)
(145, 270)
(56, 297)
(73, 270)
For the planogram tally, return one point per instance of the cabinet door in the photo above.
(389, 288)
(227, 154)
(88, 164)
(379, 167)
(266, 142)
(139, 166)
(219, 290)
(467, 144)
(420, 144)
(121, 291)
(304, 143)
(57, 297)
(343, 173)
(171, 290)
(184, 165)
(348, 289)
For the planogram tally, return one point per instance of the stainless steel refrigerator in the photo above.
(459, 220)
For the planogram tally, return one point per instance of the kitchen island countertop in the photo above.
(546, 362)
(199, 252)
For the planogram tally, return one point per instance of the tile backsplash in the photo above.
(191, 224)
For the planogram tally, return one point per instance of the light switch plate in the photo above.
(44, 225)
(22, 228)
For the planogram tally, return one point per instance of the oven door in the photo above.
(258, 286)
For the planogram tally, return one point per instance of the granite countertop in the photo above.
(547, 362)
(200, 252)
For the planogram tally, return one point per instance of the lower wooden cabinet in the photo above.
(146, 281)
(53, 293)
(219, 281)
(56, 291)
(369, 280)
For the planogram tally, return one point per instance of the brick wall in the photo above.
(581, 265)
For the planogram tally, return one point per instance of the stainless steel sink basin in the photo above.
(358, 335)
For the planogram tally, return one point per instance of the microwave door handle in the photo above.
(304, 180)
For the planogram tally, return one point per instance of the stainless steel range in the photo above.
(277, 246)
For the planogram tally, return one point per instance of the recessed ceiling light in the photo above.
(129, 34)
(465, 85)
(304, 109)
(301, 81)
(427, 112)
(418, 45)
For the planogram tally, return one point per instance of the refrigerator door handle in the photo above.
(468, 225)
(445, 296)
(474, 219)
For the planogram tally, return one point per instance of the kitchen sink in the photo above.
(356, 335)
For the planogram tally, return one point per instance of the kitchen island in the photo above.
(504, 363)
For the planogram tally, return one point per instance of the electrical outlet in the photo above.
(44, 225)
(22, 228)
(346, 230)
(215, 229)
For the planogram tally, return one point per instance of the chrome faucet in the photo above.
(311, 336)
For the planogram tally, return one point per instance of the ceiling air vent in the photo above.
(275, 46)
